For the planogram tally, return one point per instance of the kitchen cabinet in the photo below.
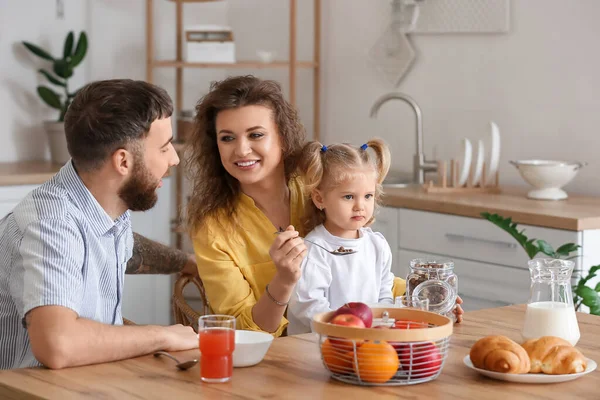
(491, 267)
(146, 298)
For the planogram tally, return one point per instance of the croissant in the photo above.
(555, 356)
(500, 354)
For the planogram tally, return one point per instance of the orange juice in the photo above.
(216, 348)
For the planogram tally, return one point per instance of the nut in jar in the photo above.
(435, 280)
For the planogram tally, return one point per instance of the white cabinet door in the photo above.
(147, 298)
(473, 238)
(10, 196)
(482, 285)
(386, 222)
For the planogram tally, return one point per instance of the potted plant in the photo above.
(62, 70)
(582, 294)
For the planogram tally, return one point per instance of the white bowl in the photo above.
(547, 177)
(250, 347)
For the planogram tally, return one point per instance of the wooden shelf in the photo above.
(239, 64)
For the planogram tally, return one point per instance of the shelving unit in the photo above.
(180, 65)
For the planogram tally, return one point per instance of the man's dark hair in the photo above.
(109, 115)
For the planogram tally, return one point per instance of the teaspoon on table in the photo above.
(181, 365)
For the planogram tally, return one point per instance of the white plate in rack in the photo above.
(478, 167)
(531, 378)
(494, 153)
(465, 161)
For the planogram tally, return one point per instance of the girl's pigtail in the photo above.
(383, 158)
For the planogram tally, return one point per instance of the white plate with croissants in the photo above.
(547, 359)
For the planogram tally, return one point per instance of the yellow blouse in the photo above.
(234, 262)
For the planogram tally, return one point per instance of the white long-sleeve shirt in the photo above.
(329, 281)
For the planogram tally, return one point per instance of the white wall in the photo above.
(537, 82)
(21, 110)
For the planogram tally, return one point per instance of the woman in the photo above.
(244, 152)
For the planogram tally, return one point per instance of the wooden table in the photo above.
(292, 369)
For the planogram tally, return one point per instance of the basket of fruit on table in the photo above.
(383, 346)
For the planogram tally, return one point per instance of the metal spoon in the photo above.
(181, 365)
(336, 252)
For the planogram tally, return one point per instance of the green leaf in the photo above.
(37, 51)
(508, 226)
(590, 297)
(567, 248)
(80, 50)
(50, 97)
(546, 248)
(68, 49)
(595, 310)
(51, 78)
(63, 69)
(597, 288)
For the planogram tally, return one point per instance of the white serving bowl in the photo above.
(250, 347)
(547, 177)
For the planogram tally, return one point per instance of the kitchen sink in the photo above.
(398, 179)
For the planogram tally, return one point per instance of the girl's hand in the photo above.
(458, 311)
(287, 252)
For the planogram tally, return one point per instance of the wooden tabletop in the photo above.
(27, 172)
(576, 213)
(292, 369)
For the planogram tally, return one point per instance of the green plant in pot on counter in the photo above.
(582, 294)
(62, 70)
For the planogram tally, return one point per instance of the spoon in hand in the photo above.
(181, 365)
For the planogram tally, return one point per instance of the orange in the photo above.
(377, 362)
(345, 344)
(337, 360)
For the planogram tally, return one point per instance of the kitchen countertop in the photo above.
(577, 213)
(27, 172)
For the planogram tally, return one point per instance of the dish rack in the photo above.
(415, 352)
(449, 184)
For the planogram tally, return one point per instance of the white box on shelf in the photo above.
(209, 44)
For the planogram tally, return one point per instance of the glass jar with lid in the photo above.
(435, 280)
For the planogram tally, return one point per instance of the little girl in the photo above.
(344, 184)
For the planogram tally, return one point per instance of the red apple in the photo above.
(361, 310)
(346, 320)
(426, 359)
(408, 324)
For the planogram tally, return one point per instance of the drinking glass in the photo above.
(216, 334)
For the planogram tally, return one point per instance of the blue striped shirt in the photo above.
(59, 247)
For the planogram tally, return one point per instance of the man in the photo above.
(65, 247)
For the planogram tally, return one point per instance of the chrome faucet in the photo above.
(420, 165)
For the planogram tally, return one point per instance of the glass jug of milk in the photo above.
(550, 310)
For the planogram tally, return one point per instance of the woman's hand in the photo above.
(287, 252)
(458, 311)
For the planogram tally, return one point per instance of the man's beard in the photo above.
(139, 192)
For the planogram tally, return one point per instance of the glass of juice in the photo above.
(216, 334)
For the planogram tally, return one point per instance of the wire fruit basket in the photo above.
(413, 351)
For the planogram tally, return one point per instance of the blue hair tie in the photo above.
(364, 146)
(323, 149)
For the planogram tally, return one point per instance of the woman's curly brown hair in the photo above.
(215, 191)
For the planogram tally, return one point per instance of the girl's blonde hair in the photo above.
(326, 167)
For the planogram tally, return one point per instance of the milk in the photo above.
(551, 318)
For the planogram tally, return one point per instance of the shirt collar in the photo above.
(83, 199)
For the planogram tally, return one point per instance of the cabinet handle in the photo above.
(454, 236)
